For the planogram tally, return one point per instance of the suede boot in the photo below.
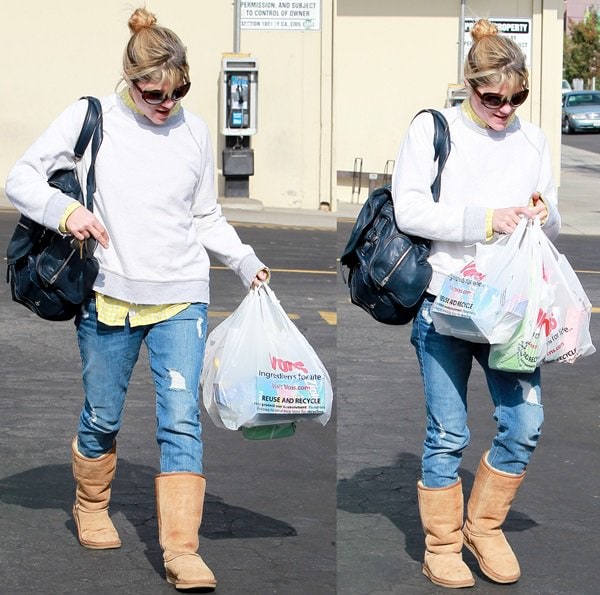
(441, 512)
(491, 497)
(179, 503)
(92, 495)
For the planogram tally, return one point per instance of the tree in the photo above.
(581, 49)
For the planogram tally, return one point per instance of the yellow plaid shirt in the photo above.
(113, 312)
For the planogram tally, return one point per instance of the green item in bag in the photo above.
(269, 432)
(521, 353)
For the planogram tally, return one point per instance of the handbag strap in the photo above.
(441, 147)
(90, 130)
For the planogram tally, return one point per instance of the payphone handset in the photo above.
(238, 89)
(239, 96)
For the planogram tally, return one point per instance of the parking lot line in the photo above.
(301, 271)
(329, 317)
(220, 314)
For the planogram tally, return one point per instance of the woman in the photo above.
(498, 171)
(155, 216)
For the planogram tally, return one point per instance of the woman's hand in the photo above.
(506, 220)
(262, 276)
(537, 205)
(82, 224)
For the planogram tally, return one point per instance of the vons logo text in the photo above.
(549, 323)
(470, 270)
(285, 365)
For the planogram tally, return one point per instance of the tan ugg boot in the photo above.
(441, 512)
(179, 503)
(491, 497)
(92, 495)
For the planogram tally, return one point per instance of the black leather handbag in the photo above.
(50, 273)
(387, 270)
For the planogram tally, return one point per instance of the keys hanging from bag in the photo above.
(50, 273)
(259, 370)
(388, 270)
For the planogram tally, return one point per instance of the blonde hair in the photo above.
(153, 53)
(494, 59)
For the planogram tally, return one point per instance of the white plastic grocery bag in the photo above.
(522, 351)
(485, 301)
(567, 319)
(260, 370)
(556, 324)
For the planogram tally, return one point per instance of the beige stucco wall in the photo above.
(289, 148)
(325, 97)
(394, 57)
(63, 49)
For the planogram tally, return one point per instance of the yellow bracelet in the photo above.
(489, 230)
(62, 226)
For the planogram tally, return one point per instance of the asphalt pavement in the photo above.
(270, 518)
(554, 523)
(270, 515)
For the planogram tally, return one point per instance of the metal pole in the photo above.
(236, 26)
(461, 44)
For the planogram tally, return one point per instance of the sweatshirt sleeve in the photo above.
(214, 232)
(27, 185)
(547, 189)
(416, 211)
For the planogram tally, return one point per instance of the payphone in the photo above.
(239, 94)
(239, 86)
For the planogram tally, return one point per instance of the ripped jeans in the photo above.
(446, 364)
(175, 352)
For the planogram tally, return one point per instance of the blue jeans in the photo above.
(175, 351)
(446, 364)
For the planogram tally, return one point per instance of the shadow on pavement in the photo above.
(52, 487)
(391, 492)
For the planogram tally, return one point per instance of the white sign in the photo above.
(519, 30)
(294, 15)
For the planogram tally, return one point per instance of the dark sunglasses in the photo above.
(158, 97)
(494, 100)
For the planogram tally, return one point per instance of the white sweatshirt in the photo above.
(154, 194)
(486, 169)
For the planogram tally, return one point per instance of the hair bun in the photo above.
(141, 19)
(483, 28)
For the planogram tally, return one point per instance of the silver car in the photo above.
(580, 111)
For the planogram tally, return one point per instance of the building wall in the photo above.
(291, 148)
(394, 57)
(64, 49)
(325, 97)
